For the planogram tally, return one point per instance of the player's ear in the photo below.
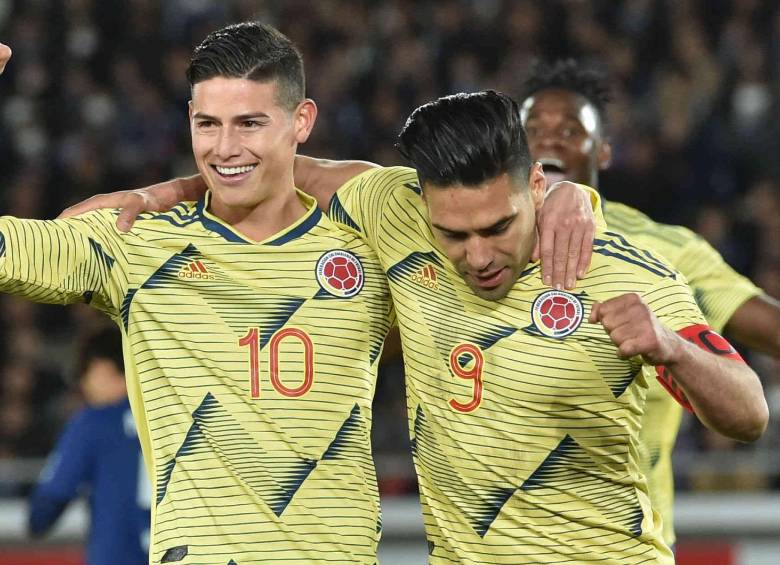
(605, 155)
(189, 110)
(537, 185)
(304, 117)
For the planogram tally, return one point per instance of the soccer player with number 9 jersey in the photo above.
(524, 403)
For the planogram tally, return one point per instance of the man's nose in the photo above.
(228, 144)
(479, 256)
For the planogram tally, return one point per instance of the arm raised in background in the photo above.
(724, 393)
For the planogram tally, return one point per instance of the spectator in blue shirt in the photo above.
(99, 455)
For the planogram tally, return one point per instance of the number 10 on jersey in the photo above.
(252, 341)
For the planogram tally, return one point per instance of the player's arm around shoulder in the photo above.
(62, 261)
(321, 178)
(694, 363)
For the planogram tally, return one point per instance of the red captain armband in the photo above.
(707, 339)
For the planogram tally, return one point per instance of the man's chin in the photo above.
(493, 294)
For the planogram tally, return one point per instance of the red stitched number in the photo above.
(308, 351)
(474, 374)
(252, 340)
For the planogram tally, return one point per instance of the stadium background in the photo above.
(95, 100)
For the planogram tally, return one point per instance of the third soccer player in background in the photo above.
(564, 113)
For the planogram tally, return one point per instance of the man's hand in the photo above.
(159, 197)
(5, 55)
(635, 330)
(724, 393)
(566, 229)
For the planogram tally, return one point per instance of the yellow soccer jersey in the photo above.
(251, 369)
(524, 422)
(719, 292)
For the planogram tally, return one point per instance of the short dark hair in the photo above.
(466, 139)
(567, 74)
(254, 51)
(102, 343)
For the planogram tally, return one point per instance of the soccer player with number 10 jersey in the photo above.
(251, 325)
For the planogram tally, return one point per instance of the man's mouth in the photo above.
(233, 172)
(491, 279)
(554, 170)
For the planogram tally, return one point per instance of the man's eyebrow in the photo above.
(239, 118)
(443, 228)
(499, 223)
(250, 115)
(202, 116)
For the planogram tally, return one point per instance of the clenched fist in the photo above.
(635, 330)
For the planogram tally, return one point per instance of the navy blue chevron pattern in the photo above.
(269, 313)
(619, 386)
(274, 477)
(339, 214)
(448, 322)
(104, 257)
(569, 466)
(413, 187)
(411, 264)
(480, 504)
(165, 274)
(350, 435)
(620, 248)
(559, 461)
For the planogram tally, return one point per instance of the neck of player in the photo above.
(274, 210)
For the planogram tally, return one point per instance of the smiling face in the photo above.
(244, 141)
(564, 133)
(488, 232)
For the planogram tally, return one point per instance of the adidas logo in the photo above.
(426, 277)
(195, 270)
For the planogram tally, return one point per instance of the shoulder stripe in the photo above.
(338, 214)
(638, 263)
(414, 188)
(640, 257)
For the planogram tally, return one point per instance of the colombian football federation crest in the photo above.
(556, 313)
(340, 273)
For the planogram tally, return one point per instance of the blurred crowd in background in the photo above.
(95, 99)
